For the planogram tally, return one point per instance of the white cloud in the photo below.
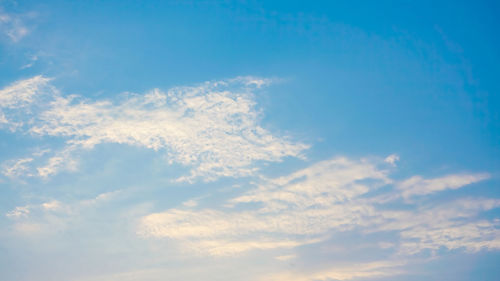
(62, 160)
(32, 60)
(472, 236)
(3, 119)
(307, 204)
(32, 209)
(347, 272)
(392, 159)
(190, 203)
(13, 26)
(17, 100)
(323, 184)
(53, 215)
(103, 197)
(452, 225)
(51, 205)
(23, 167)
(212, 127)
(36, 219)
(286, 257)
(328, 197)
(419, 186)
(17, 168)
(18, 212)
(232, 248)
(22, 93)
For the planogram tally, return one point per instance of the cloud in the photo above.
(473, 237)
(392, 159)
(305, 204)
(13, 25)
(190, 203)
(323, 184)
(347, 272)
(453, 225)
(52, 216)
(19, 99)
(22, 93)
(232, 248)
(416, 185)
(286, 257)
(32, 61)
(51, 205)
(212, 127)
(62, 160)
(18, 212)
(37, 219)
(332, 196)
(17, 168)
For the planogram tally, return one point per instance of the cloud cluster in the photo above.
(328, 197)
(212, 127)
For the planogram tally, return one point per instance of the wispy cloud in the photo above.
(305, 204)
(417, 185)
(347, 272)
(20, 99)
(22, 93)
(212, 127)
(17, 168)
(13, 25)
(453, 225)
(32, 60)
(51, 216)
(328, 197)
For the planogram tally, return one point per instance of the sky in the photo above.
(249, 140)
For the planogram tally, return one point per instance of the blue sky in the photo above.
(253, 140)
